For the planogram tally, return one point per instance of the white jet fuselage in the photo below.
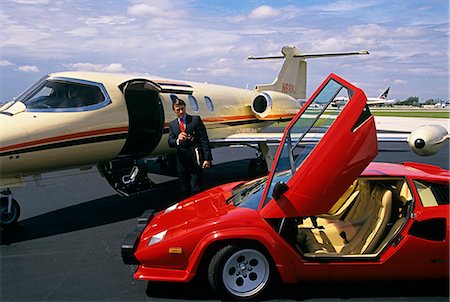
(130, 120)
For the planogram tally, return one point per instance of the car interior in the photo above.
(362, 222)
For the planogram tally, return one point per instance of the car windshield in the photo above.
(248, 194)
(307, 131)
(52, 94)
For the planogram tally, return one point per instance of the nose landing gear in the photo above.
(9, 209)
(260, 165)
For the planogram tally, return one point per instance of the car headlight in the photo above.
(157, 238)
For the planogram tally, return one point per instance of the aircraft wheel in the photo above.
(257, 167)
(239, 273)
(8, 218)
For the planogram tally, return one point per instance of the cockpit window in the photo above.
(62, 95)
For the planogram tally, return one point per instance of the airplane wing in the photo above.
(389, 129)
(251, 139)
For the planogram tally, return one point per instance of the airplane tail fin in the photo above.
(291, 79)
(384, 94)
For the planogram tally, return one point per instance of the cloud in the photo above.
(107, 20)
(375, 30)
(142, 9)
(149, 36)
(6, 63)
(28, 68)
(400, 82)
(344, 6)
(31, 1)
(160, 11)
(83, 32)
(113, 67)
(264, 12)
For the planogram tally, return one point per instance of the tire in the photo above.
(8, 219)
(239, 273)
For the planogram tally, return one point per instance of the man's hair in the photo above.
(178, 102)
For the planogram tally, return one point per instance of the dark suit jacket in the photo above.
(195, 128)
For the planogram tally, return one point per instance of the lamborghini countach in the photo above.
(324, 212)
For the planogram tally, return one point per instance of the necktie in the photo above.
(181, 125)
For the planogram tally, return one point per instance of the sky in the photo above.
(210, 40)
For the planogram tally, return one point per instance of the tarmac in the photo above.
(67, 245)
(406, 124)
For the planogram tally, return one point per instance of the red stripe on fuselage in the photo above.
(65, 137)
(117, 130)
(240, 118)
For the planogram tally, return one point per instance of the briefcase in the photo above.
(198, 156)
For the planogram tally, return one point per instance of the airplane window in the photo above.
(209, 103)
(193, 102)
(56, 95)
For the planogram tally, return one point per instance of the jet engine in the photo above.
(428, 139)
(269, 105)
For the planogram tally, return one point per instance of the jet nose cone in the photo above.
(419, 143)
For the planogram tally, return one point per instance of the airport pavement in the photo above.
(407, 124)
(67, 247)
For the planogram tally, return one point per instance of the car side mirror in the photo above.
(280, 188)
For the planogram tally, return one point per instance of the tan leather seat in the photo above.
(370, 217)
(351, 209)
(370, 234)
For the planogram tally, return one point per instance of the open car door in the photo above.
(323, 150)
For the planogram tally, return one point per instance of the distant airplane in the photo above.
(380, 100)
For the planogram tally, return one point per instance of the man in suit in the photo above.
(187, 134)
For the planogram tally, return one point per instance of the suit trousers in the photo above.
(190, 175)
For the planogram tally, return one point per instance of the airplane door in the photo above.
(146, 117)
(127, 173)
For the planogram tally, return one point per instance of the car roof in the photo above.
(408, 169)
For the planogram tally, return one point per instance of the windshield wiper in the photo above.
(245, 191)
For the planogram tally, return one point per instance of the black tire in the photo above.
(240, 273)
(8, 219)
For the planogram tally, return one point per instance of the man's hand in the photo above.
(182, 136)
(206, 164)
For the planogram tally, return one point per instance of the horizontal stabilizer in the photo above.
(313, 55)
(291, 79)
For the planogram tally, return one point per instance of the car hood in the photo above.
(191, 212)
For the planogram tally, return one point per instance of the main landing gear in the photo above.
(127, 177)
(10, 209)
(260, 165)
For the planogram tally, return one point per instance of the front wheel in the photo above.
(240, 273)
(8, 217)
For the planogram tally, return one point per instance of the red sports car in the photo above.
(324, 212)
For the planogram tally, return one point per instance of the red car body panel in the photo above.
(341, 156)
(174, 242)
(412, 258)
